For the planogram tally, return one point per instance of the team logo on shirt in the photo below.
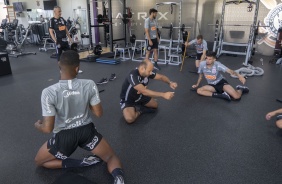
(146, 80)
(213, 70)
(67, 93)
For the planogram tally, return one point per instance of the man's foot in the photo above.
(244, 89)
(113, 77)
(103, 81)
(80, 71)
(144, 110)
(90, 160)
(278, 117)
(156, 66)
(119, 180)
(226, 96)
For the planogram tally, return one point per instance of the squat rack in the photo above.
(109, 23)
(171, 41)
(219, 35)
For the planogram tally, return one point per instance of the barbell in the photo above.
(182, 28)
(125, 19)
(171, 27)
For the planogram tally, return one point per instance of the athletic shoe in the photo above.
(156, 66)
(80, 71)
(278, 117)
(90, 160)
(113, 77)
(103, 81)
(226, 96)
(119, 180)
(244, 89)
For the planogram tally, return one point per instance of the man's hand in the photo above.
(173, 85)
(269, 115)
(186, 44)
(195, 86)
(168, 95)
(150, 42)
(38, 124)
(242, 79)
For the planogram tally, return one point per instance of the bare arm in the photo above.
(47, 125)
(143, 90)
(147, 34)
(240, 77)
(165, 79)
(97, 110)
(51, 31)
(273, 113)
(199, 81)
(68, 34)
(203, 57)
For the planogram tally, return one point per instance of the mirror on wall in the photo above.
(39, 15)
(81, 16)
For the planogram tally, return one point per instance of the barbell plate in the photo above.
(98, 50)
(100, 18)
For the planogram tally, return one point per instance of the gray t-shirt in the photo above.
(68, 101)
(199, 47)
(152, 25)
(212, 75)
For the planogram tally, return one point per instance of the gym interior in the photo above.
(191, 138)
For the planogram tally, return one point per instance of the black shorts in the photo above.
(219, 86)
(65, 142)
(143, 100)
(154, 46)
(198, 56)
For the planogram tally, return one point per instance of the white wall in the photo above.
(3, 12)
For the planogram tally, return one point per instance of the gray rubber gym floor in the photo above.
(191, 139)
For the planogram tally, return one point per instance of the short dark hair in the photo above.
(199, 37)
(152, 10)
(211, 54)
(69, 58)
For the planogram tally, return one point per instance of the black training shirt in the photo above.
(128, 93)
(59, 27)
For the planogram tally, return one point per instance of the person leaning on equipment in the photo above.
(201, 48)
(135, 93)
(66, 110)
(217, 86)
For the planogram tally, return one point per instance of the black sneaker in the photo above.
(278, 117)
(244, 89)
(113, 77)
(156, 66)
(226, 96)
(90, 160)
(103, 81)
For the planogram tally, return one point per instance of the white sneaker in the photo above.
(119, 180)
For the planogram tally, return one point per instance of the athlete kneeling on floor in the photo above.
(66, 108)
